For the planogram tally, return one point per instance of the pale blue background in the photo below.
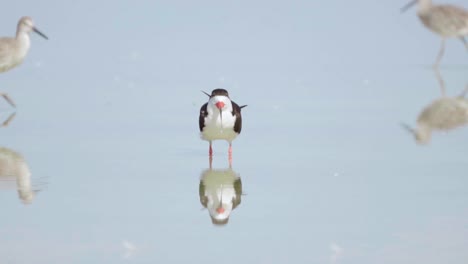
(107, 115)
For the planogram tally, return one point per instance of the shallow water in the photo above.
(328, 173)
(324, 178)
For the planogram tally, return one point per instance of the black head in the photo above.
(219, 222)
(219, 91)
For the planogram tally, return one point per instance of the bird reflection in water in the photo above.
(443, 114)
(13, 168)
(220, 191)
(8, 120)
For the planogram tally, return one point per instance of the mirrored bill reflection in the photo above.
(443, 114)
(220, 192)
(15, 174)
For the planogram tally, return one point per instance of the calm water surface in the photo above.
(324, 179)
(103, 163)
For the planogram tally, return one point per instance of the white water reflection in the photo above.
(336, 252)
(129, 249)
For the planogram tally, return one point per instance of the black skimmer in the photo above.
(220, 119)
(220, 191)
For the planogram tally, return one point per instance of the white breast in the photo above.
(217, 128)
(13, 51)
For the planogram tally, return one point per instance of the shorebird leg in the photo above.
(230, 152)
(441, 81)
(210, 151)
(441, 53)
(8, 99)
(462, 95)
(464, 42)
(8, 120)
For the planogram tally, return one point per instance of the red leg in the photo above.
(210, 151)
(230, 151)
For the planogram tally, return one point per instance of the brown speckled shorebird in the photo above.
(443, 114)
(448, 21)
(13, 50)
(14, 169)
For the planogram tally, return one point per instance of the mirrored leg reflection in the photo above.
(8, 120)
(443, 114)
(441, 82)
(14, 169)
(220, 192)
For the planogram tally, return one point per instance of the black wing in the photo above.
(236, 111)
(238, 190)
(203, 114)
(201, 193)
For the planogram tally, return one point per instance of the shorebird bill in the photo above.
(408, 128)
(40, 33)
(219, 105)
(407, 6)
(221, 115)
